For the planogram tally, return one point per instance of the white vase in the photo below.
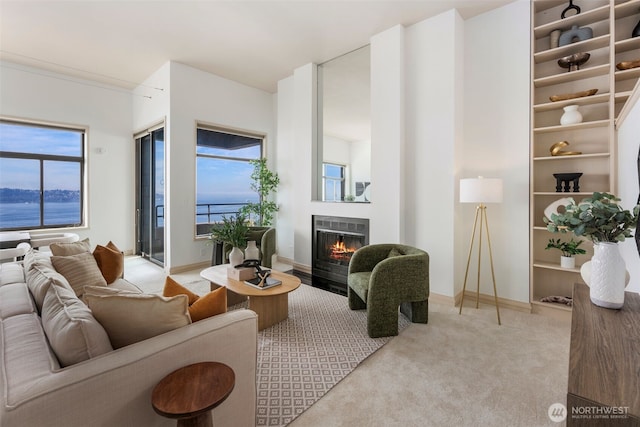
(236, 256)
(567, 261)
(571, 115)
(252, 251)
(607, 279)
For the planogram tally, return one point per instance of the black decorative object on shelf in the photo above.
(568, 8)
(564, 181)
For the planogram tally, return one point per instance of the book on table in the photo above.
(265, 283)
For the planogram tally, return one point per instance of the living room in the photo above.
(450, 100)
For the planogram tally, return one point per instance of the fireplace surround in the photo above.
(334, 240)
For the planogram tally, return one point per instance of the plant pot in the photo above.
(607, 281)
(236, 256)
(567, 262)
(252, 251)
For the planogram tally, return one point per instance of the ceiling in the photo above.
(256, 43)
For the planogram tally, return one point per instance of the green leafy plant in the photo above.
(600, 218)
(264, 183)
(568, 249)
(232, 230)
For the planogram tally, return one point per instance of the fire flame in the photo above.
(340, 251)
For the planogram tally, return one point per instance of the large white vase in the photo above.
(571, 115)
(236, 256)
(607, 276)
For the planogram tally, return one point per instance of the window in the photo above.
(41, 176)
(223, 174)
(333, 182)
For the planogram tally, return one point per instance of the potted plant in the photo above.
(601, 219)
(264, 183)
(233, 231)
(569, 250)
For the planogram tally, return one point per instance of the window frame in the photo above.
(227, 130)
(81, 160)
(342, 180)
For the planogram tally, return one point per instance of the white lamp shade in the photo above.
(481, 190)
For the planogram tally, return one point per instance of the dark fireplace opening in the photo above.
(334, 241)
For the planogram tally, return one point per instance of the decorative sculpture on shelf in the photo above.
(568, 8)
(564, 181)
(574, 35)
(573, 62)
(556, 149)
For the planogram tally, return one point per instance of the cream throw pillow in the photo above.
(80, 270)
(74, 248)
(40, 278)
(129, 318)
(73, 333)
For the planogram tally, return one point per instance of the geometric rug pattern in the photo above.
(303, 357)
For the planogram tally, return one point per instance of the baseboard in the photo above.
(524, 307)
(441, 299)
(189, 267)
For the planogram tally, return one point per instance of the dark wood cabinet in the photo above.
(604, 362)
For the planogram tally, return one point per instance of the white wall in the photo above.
(628, 146)
(35, 94)
(496, 141)
(360, 170)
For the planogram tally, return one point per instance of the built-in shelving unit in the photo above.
(612, 22)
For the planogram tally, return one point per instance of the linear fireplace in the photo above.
(335, 239)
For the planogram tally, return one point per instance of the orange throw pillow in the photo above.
(110, 261)
(211, 304)
(173, 288)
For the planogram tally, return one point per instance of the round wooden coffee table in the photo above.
(190, 393)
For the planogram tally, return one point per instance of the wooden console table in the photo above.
(604, 362)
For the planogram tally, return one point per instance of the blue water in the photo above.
(18, 215)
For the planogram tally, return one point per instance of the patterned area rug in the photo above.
(302, 358)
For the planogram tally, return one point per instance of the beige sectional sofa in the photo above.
(111, 387)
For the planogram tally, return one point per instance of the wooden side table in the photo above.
(190, 393)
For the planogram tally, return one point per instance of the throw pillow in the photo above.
(103, 290)
(40, 278)
(211, 304)
(80, 270)
(74, 248)
(110, 261)
(173, 288)
(33, 257)
(136, 317)
(73, 333)
(394, 252)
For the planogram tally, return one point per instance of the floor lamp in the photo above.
(480, 190)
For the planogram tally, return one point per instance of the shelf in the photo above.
(585, 100)
(585, 73)
(583, 46)
(583, 125)
(633, 73)
(629, 8)
(553, 266)
(562, 193)
(622, 96)
(588, 17)
(627, 45)
(575, 157)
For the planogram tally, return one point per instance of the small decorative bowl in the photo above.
(573, 62)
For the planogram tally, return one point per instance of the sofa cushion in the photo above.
(15, 299)
(73, 333)
(72, 248)
(129, 318)
(34, 257)
(80, 270)
(39, 278)
(211, 304)
(359, 282)
(11, 272)
(110, 261)
(173, 288)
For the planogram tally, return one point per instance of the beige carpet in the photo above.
(458, 370)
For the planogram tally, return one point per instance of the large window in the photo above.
(41, 176)
(223, 177)
(333, 182)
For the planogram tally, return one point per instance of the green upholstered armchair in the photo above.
(265, 238)
(384, 276)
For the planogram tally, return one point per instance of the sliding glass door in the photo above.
(150, 218)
